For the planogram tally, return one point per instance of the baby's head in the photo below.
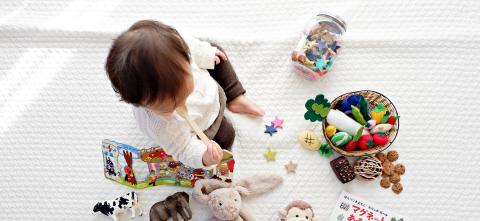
(149, 65)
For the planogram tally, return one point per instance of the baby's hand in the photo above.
(219, 55)
(213, 155)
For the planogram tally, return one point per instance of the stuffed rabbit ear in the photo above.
(258, 184)
(282, 214)
(206, 186)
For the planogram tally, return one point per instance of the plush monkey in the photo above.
(297, 211)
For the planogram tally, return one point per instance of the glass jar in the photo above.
(317, 49)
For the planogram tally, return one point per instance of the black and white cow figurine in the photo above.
(119, 205)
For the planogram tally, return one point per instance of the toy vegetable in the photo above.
(381, 128)
(380, 139)
(363, 105)
(366, 142)
(351, 146)
(346, 105)
(341, 138)
(393, 119)
(330, 131)
(378, 112)
(370, 124)
(344, 123)
(358, 115)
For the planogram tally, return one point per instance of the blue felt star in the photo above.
(310, 54)
(335, 46)
(321, 45)
(270, 129)
(309, 37)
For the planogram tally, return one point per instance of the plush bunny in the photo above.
(225, 199)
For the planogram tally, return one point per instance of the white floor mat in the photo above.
(56, 104)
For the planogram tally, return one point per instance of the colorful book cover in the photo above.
(151, 166)
(352, 208)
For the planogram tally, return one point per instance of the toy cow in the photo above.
(121, 204)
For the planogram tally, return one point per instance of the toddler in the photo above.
(154, 68)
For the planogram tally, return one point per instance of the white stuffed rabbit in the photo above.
(225, 199)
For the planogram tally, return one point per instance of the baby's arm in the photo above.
(195, 153)
(191, 152)
(177, 139)
(203, 53)
(213, 155)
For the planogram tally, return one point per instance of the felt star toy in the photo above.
(270, 129)
(291, 167)
(309, 63)
(328, 38)
(270, 154)
(328, 66)
(320, 28)
(310, 44)
(331, 52)
(277, 123)
(319, 63)
(321, 45)
(310, 54)
(335, 46)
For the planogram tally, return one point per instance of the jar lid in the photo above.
(335, 18)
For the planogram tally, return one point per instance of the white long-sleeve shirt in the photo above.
(171, 131)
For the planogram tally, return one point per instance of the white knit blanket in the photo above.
(56, 104)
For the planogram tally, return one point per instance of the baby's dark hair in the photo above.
(146, 63)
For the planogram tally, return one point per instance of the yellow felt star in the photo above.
(270, 154)
(291, 167)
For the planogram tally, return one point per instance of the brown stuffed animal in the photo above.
(176, 203)
(297, 210)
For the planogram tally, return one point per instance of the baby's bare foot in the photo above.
(243, 105)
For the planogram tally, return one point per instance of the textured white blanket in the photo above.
(56, 104)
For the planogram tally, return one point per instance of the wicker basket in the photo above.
(373, 99)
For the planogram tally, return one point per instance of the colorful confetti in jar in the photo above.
(317, 49)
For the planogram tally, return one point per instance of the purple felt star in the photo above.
(270, 129)
(277, 123)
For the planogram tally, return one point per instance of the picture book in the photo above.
(353, 208)
(151, 166)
